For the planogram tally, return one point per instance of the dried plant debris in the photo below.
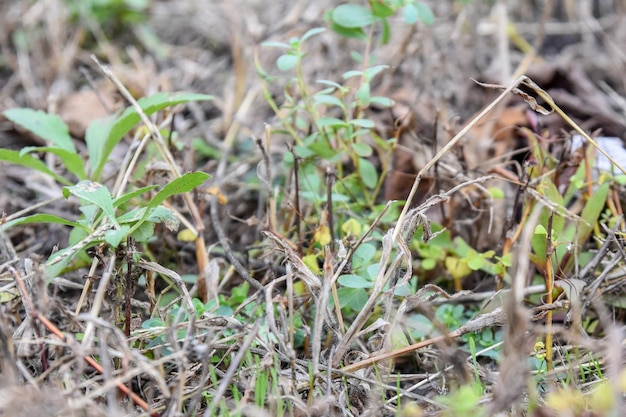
(245, 247)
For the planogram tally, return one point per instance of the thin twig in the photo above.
(232, 369)
(221, 236)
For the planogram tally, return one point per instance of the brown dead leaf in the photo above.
(81, 108)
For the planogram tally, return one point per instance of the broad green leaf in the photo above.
(476, 262)
(362, 149)
(96, 194)
(180, 185)
(312, 263)
(352, 16)
(428, 264)
(381, 10)
(71, 160)
(104, 134)
(372, 270)
(411, 14)
(355, 33)
(114, 237)
(128, 196)
(29, 161)
(352, 73)
(386, 32)
(49, 127)
(592, 211)
(352, 227)
(354, 298)
(153, 322)
(368, 173)
(354, 281)
(160, 214)
(144, 232)
(286, 62)
(39, 218)
(424, 13)
(583, 229)
(539, 243)
(52, 271)
(363, 255)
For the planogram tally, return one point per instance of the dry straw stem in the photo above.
(201, 252)
(36, 316)
(232, 369)
(513, 88)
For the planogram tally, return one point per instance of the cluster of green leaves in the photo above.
(352, 20)
(111, 12)
(329, 125)
(104, 218)
(116, 18)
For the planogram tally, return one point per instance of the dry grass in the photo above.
(244, 319)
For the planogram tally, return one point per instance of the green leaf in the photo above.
(330, 122)
(364, 123)
(328, 99)
(31, 162)
(372, 72)
(276, 45)
(160, 214)
(428, 264)
(496, 193)
(322, 149)
(362, 149)
(592, 211)
(104, 134)
(96, 194)
(363, 255)
(381, 10)
(49, 127)
(411, 14)
(424, 14)
(354, 298)
(368, 173)
(180, 185)
(71, 160)
(128, 196)
(363, 95)
(354, 281)
(382, 101)
(476, 262)
(352, 16)
(39, 218)
(115, 236)
(312, 32)
(286, 62)
(355, 33)
(144, 232)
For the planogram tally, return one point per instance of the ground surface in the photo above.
(260, 328)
